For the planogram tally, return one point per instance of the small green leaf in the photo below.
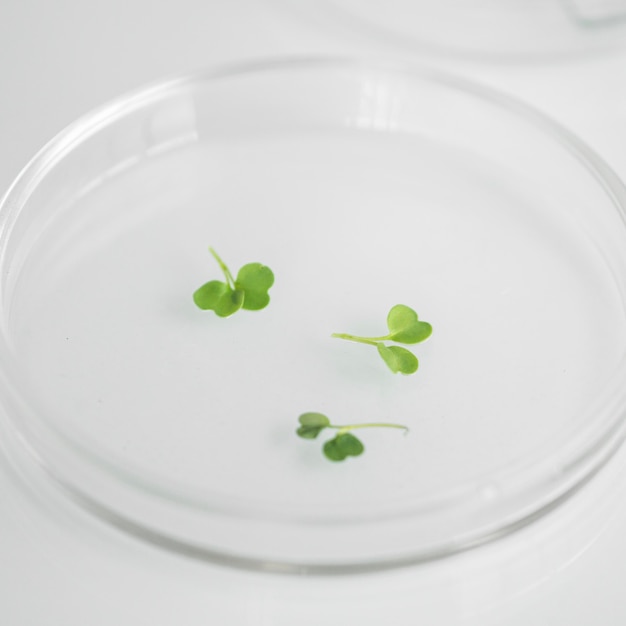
(309, 432)
(207, 296)
(398, 359)
(404, 326)
(255, 280)
(312, 424)
(343, 446)
(229, 303)
(314, 419)
(249, 291)
(219, 297)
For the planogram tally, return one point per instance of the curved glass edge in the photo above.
(591, 457)
(596, 37)
(16, 447)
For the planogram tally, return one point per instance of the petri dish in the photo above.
(478, 30)
(362, 186)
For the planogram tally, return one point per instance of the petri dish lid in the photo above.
(362, 186)
(480, 30)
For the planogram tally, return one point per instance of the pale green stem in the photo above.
(229, 277)
(348, 427)
(372, 341)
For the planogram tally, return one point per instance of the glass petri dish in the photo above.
(480, 30)
(362, 186)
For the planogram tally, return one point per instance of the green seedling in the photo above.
(344, 443)
(404, 327)
(248, 291)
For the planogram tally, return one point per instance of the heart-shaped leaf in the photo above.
(207, 296)
(405, 327)
(219, 297)
(311, 425)
(255, 280)
(398, 359)
(343, 446)
(230, 303)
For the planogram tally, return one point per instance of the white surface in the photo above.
(60, 567)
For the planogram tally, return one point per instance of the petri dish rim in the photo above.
(600, 443)
(576, 35)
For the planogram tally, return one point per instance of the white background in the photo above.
(60, 567)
